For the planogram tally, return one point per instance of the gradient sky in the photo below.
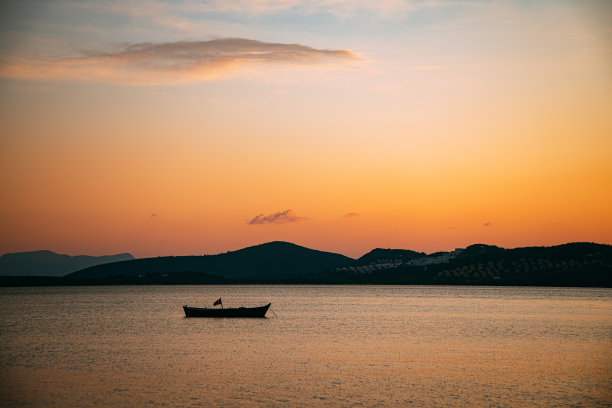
(174, 128)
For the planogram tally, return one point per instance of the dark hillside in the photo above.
(271, 261)
(380, 255)
(575, 264)
(48, 263)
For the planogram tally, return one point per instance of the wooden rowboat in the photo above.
(259, 311)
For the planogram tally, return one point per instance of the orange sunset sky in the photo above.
(175, 128)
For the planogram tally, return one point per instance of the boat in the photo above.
(259, 311)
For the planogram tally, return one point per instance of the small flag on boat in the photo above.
(218, 302)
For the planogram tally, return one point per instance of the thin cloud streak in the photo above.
(385, 9)
(423, 67)
(173, 62)
(282, 217)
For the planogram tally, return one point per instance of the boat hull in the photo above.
(229, 312)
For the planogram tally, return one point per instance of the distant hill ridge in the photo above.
(48, 263)
(271, 261)
(572, 264)
(388, 255)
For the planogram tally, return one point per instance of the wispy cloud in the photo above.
(172, 62)
(423, 67)
(153, 9)
(282, 217)
(351, 214)
(340, 8)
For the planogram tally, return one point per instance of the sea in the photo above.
(320, 346)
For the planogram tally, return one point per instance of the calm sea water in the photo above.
(328, 346)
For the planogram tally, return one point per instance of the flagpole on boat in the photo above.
(218, 302)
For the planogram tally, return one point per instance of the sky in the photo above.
(199, 127)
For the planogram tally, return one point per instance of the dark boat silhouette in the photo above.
(259, 311)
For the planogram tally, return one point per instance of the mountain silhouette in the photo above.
(381, 255)
(573, 264)
(48, 263)
(272, 261)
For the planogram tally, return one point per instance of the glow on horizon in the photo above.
(436, 126)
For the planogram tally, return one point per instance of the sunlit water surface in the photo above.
(328, 346)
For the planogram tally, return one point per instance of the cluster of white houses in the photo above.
(380, 264)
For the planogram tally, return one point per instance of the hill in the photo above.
(48, 263)
(573, 264)
(270, 262)
(388, 256)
